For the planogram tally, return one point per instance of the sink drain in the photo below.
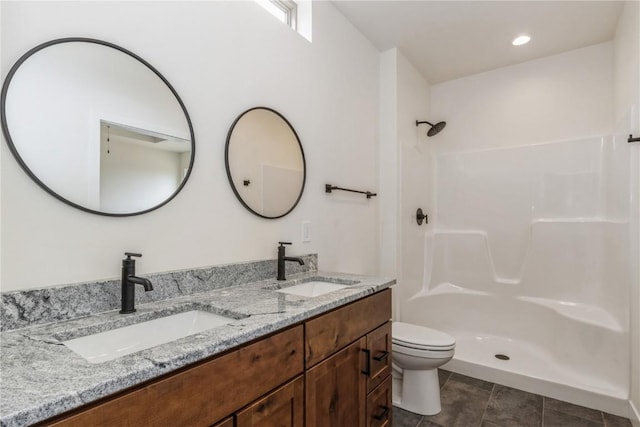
(502, 356)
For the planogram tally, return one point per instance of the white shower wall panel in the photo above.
(579, 267)
(580, 262)
(501, 191)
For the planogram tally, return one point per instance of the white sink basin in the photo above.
(115, 343)
(312, 289)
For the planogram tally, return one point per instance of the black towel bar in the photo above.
(328, 188)
(632, 139)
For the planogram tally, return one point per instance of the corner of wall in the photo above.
(388, 167)
(626, 45)
(627, 120)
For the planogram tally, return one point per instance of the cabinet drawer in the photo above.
(330, 332)
(379, 349)
(380, 406)
(206, 393)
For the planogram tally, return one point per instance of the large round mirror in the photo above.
(265, 162)
(97, 127)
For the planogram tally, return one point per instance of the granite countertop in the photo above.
(41, 377)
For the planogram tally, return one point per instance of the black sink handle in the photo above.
(130, 254)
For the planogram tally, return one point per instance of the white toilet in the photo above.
(417, 354)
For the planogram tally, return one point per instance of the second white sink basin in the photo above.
(312, 289)
(115, 343)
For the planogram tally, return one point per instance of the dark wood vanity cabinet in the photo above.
(330, 371)
(352, 386)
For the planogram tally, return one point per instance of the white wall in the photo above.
(626, 49)
(222, 58)
(565, 96)
(389, 182)
(416, 171)
(405, 173)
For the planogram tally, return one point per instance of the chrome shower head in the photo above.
(435, 129)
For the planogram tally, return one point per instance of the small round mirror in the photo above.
(97, 127)
(265, 162)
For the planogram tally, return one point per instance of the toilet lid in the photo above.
(415, 336)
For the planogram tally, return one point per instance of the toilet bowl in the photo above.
(417, 354)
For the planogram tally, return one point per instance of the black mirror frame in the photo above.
(23, 165)
(226, 163)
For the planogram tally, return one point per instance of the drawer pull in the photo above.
(383, 414)
(381, 356)
(367, 370)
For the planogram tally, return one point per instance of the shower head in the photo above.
(434, 128)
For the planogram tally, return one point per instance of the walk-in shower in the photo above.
(527, 266)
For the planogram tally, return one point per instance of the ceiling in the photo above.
(446, 40)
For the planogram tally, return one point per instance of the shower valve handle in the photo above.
(421, 216)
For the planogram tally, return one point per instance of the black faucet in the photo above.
(282, 259)
(129, 281)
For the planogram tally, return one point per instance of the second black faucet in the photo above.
(282, 258)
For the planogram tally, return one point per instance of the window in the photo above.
(285, 10)
(295, 14)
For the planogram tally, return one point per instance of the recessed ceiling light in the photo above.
(520, 40)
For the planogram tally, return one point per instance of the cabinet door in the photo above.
(282, 408)
(335, 389)
(379, 353)
(380, 406)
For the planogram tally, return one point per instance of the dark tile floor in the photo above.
(469, 402)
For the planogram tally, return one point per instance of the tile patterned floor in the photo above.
(469, 402)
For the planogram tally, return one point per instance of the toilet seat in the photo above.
(405, 335)
(423, 353)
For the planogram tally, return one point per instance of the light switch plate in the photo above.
(306, 231)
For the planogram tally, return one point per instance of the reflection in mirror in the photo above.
(97, 127)
(265, 162)
(138, 167)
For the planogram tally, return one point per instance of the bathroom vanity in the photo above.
(301, 361)
(342, 358)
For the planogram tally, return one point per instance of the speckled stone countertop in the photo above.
(41, 377)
